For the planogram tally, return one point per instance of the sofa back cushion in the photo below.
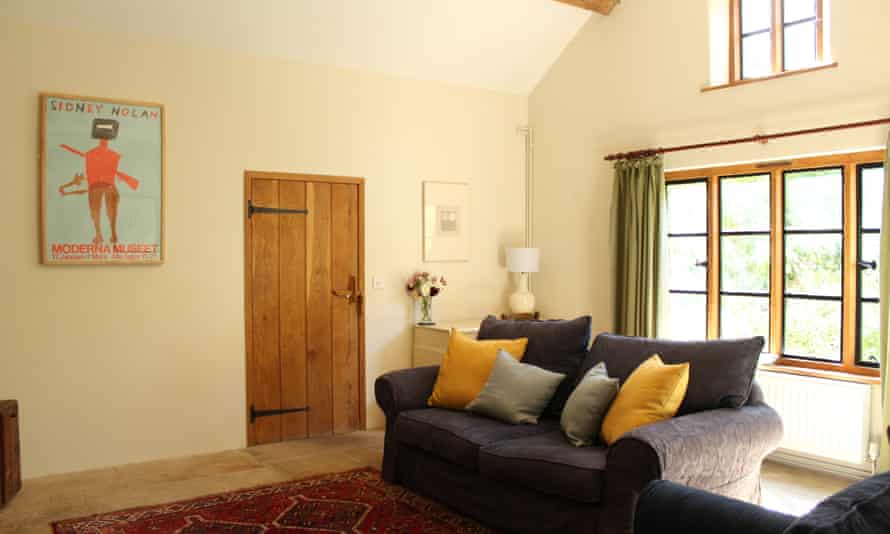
(720, 371)
(558, 346)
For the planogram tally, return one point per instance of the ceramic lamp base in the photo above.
(522, 301)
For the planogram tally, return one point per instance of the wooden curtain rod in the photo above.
(760, 138)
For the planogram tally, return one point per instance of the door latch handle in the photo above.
(348, 295)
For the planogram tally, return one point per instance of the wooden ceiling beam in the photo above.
(603, 7)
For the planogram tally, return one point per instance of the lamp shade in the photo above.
(522, 260)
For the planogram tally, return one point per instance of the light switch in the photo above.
(376, 283)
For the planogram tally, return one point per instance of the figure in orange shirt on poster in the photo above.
(101, 176)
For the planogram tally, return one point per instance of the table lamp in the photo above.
(522, 261)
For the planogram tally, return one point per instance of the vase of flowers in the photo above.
(423, 287)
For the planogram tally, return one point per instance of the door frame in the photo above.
(360, 278)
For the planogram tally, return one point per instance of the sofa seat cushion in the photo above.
(457, 436)
(547, 463)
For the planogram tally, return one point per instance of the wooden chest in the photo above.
(10, 459)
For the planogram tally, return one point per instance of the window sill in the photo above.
(770, 77)
(821, 373)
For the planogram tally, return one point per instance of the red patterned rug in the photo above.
(351, 502)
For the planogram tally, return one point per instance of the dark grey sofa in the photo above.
(530, 479)
(668, 508)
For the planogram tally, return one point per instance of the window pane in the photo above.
(795, 10)
(744, 263)
(756, 15)
(687, 316)
(869, 332)
(800, 46)
(687, 206)
(756, 56)
(813, 199)
(744, 317)
(872, 196)
(685, 252)
(813, 329)
(744, 203)
(813, 264)
(870, 278)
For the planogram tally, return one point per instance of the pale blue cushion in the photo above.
(515, 392)
(583, 414)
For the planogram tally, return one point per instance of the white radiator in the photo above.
(823, 418)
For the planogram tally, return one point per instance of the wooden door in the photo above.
(304, 306)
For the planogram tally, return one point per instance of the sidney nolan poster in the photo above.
(102, 172)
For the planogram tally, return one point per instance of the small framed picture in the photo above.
(101, 181)
(446, 221)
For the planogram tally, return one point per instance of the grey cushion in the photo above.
(457, 436)
(583, 414)
(558, 346)
(720, 372)
(515, 392)
(863, 508)
(549, 464)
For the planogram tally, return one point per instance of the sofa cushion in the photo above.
(515, 392)
(558, 346)
(547, 463)
(466, 366)
(652, 393)
(720, 372)
(457, 436)
(582, 417)
(862, 508)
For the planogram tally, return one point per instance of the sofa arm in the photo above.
(718, 450)
(708, 449)
(667, 508)
(396, 392)
(407, 389)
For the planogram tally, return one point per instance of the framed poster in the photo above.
(446, 221)
(101, 181)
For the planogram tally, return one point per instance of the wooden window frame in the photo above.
(777, 38)
(850, 163)
(708, 247)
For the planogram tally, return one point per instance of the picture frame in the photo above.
(446, 221)
(102, 181)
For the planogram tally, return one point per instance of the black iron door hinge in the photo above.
(251, 209)
(255, 414)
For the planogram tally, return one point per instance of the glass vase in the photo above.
(425, 311)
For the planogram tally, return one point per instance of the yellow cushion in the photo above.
(466, 366)
(652, 393)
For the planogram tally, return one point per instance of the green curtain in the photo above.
(885, 308)
(638, 218)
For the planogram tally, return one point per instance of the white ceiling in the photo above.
(505, 45)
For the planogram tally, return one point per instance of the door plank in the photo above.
(318, 309)
(344, 265)
(292, 195)
(264, 367)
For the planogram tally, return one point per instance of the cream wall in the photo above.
(121, 364)
(631, 80)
